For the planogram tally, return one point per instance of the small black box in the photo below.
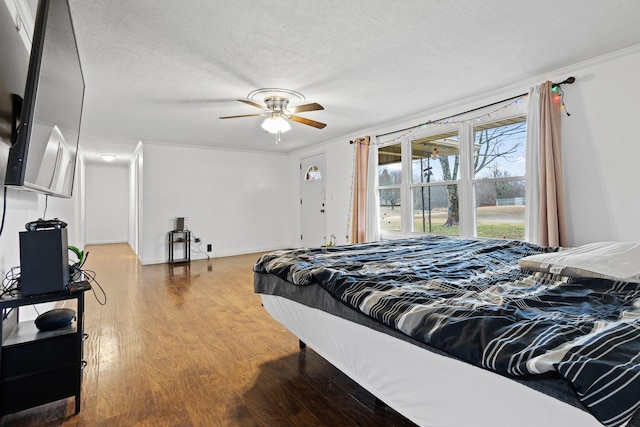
(44, 261)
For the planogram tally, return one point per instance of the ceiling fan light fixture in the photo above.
(277, 111)
(275, 124)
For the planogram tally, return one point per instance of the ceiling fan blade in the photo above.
(243, 115)
(253, 104)
(307, 122)
(305, 107)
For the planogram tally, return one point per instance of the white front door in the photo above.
(312, 178)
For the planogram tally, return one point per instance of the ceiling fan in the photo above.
(278, 114)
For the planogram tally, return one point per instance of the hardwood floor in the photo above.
(190, 345)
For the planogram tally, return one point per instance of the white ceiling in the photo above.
(165, 70)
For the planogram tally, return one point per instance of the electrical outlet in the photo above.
(209, 247)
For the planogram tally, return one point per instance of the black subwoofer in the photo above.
(44, 261)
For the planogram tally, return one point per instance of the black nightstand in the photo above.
(39, 367)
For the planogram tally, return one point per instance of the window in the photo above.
(312, 174)
(435, 162)
(499, 182)
(389, 186)
(460, 179)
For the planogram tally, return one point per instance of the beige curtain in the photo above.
(552, 225)
(360, 173)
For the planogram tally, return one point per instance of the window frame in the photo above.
(403, 180)
(466, 177)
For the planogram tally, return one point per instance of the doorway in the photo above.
(313, 175)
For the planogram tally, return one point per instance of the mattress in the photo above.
(427, 388)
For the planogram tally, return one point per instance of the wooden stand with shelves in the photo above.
(182, 239)
(39, 367)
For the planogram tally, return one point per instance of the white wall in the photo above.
(107, 203)
(601, 148)
(135, 199)
(235, 201)
(22, 207)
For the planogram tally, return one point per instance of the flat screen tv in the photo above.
(44, 154)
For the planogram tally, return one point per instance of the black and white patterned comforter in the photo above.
(470, 299)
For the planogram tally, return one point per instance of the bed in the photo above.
(453, 332)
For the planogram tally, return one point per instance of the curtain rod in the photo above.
(568, 80)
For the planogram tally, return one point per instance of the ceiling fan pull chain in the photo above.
(278, 137)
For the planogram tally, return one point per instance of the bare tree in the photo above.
(492, 144)
(497, 142)
(391, 196)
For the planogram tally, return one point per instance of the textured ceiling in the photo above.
(164, 71)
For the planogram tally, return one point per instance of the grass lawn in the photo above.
(503, 222)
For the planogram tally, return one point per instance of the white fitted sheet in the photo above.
(425, 387)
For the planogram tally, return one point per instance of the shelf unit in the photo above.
(179, 239)
(39, 367)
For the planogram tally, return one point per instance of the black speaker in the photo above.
(44, 261)
(180, 224)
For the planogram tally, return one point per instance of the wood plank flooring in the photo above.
(190, 345)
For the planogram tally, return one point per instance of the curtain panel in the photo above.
(552, 225)
(360, 180)
(544, 212)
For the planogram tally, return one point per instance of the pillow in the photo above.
(607, 260)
